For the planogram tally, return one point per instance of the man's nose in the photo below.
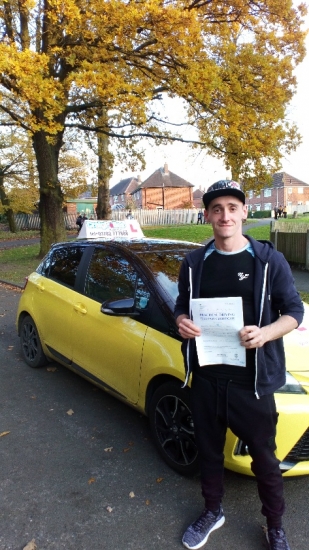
(225, 214)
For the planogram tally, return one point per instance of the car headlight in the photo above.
(291, 385)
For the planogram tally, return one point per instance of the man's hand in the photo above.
(186, 327)
(252, 336)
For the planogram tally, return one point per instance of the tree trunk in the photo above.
(51, 198)
(105, 165)
(5, 201)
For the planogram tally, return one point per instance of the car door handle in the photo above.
(79, 308)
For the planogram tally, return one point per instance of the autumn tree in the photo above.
(18, 185)
(245, 121)
(69, 63)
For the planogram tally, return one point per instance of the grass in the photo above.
(199, 233)
(17, 263)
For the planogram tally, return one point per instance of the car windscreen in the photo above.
(165, 266)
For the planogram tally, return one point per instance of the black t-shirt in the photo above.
(226, 275)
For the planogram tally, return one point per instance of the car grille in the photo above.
(300, 451)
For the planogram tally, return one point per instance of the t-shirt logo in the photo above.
(242, 276)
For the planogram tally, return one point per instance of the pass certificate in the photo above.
(220, 320)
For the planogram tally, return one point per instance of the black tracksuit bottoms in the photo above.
(220, 404)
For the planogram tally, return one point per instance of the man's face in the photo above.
(226, 215)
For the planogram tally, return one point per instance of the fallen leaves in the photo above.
(4, 433)
(70, 412)
(109, 509)
(130, 445)
(108, 449)
(31, 545)
(51, 369)
(91, 480)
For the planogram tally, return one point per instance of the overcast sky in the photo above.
(202, 170)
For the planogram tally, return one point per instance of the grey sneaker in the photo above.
(277, 539)
(197, 534)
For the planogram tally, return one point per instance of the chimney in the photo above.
(165, 168)
(139, 179)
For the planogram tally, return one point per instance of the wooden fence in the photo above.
(144, 217)
(292, 239)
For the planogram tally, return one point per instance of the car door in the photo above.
(55, 296)
(110, 347)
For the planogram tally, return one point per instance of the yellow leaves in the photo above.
(2, 434)
(70, 412)
(130, 445)
(31, 545)
(91, 480)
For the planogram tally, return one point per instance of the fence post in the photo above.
(307, 250)
(276, 239)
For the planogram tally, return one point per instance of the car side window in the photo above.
(62, 265)
(110, 276)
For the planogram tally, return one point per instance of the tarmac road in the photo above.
(79, 470)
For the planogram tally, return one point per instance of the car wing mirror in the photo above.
(125, 306)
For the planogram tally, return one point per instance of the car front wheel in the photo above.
(172, 427)
(31, 347)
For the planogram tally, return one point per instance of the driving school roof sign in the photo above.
(109, 229)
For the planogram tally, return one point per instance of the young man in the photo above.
(223, 396)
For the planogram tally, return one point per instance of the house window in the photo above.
(251, 194)
(257, 207)
(299, 203)
(290, 190)
(300, 190)
(267, 192)
(267, 206)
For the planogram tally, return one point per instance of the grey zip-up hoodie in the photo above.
(274, 295)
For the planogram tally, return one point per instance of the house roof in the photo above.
(125, 186)
(282, 178)
(164, 178)
(198, 194)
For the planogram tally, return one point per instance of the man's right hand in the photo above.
(186, 327)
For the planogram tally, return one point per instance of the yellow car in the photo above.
(105, 310)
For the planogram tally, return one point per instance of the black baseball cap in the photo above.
(221, 188)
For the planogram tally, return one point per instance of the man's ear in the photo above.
(245, 212)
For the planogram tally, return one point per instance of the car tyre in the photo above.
(31, 347)
(172, 427)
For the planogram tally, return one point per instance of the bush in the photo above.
(260, 214)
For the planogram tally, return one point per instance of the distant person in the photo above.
(84, 218)
(79, 222)
(285, 211)
(129, 215)
(200, 217)
(276, 212)
(280, 211)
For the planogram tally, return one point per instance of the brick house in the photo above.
(163, 190)
(121, 194)
(285, 190)
(197, 198)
